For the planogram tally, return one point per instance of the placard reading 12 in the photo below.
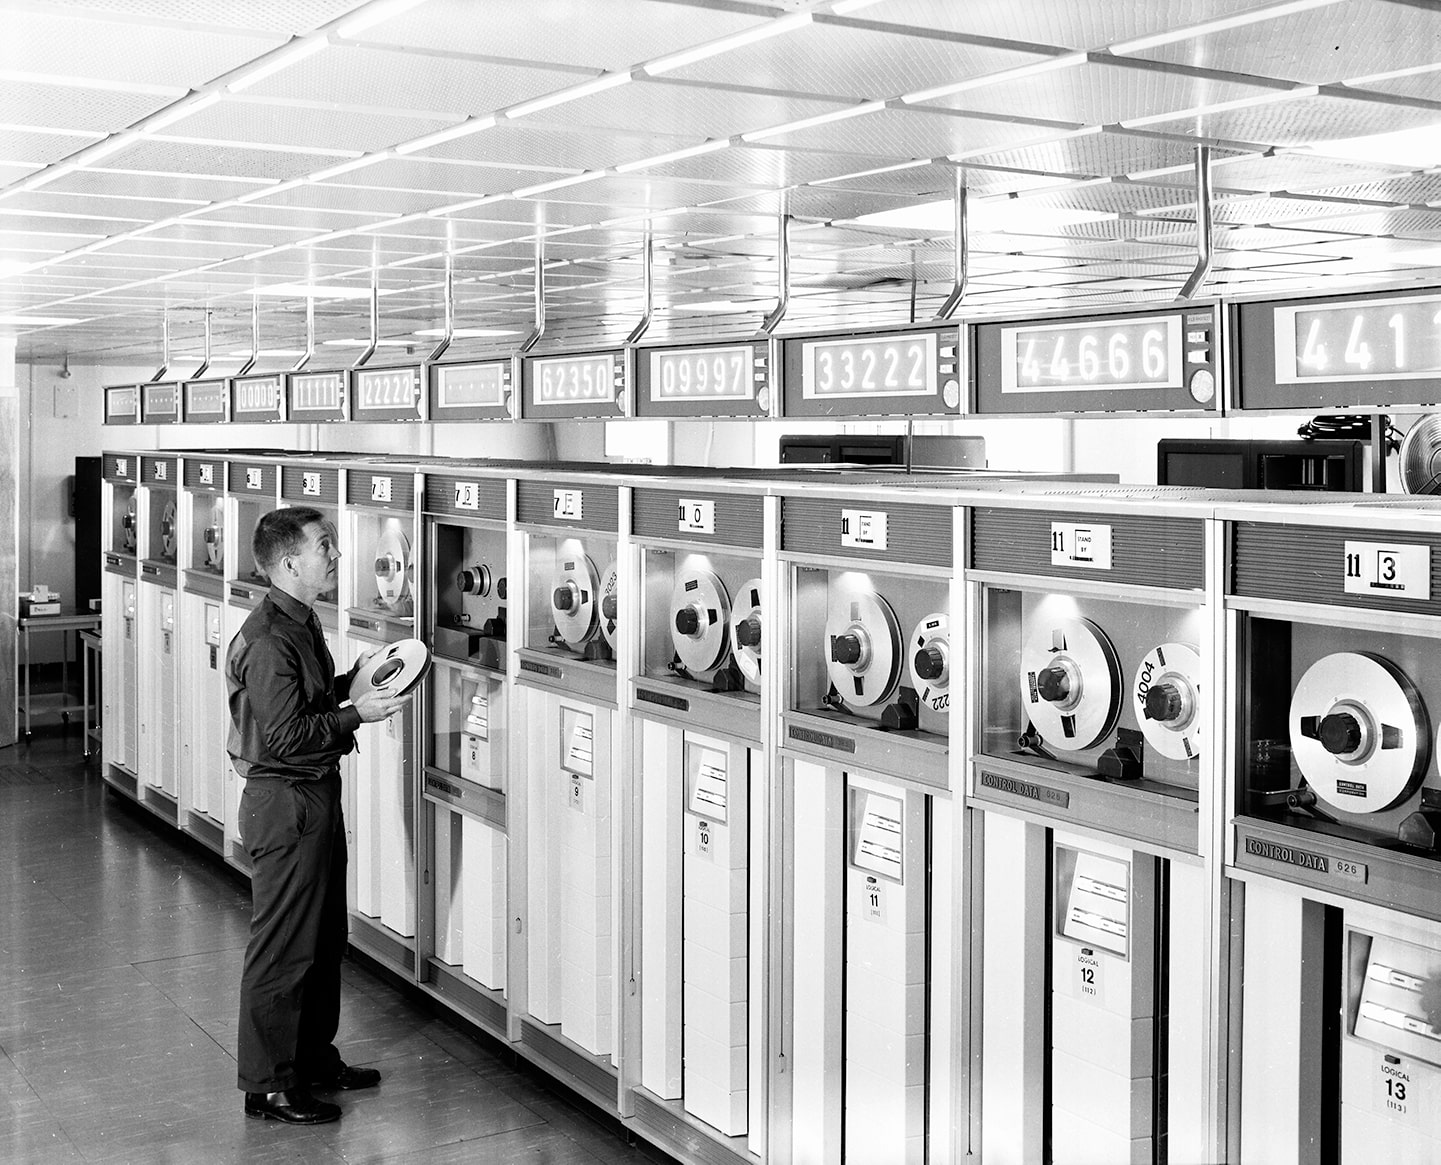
(316, 396)
(577, 386)
(255, 398)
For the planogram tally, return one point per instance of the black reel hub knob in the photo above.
(1163, 703)
(1340, 733)
(687, 621)
(1053, 684)
(748, 632)
(563, 599)
(609, 606)
(930, 662)
(846, 649)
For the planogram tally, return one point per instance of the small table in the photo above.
(64, 623)
(90, 653)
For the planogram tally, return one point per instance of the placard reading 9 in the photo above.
(702, 373)
(574, 378)
(1393, 339)
(1097, 353)
(463, 385)
(872, 366)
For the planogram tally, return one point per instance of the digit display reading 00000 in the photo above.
(468, 385)
(1376, 339)
(702, 374)
(255, 396)
(874, 366)
(1102, 353)
(573, 379)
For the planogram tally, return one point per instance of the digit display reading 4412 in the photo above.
(1380, 338)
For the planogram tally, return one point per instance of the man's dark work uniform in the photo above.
(287, 735)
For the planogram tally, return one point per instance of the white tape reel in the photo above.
(610, 604)
(746, 629)
(863, 645)
(1166, 697)
(167, 531)
(127, 524)
(1071, 684)
(928, 656)
(392, 566)
(573, 596)
(474, 580)
(215, 544)
(1359, 732)
(397, 667)
(700, 613)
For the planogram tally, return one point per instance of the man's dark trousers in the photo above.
(294, 833)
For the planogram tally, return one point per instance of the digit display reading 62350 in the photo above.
(573, 379)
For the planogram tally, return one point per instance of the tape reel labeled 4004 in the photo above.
(396, 668)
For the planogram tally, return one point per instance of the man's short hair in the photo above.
(279, 533)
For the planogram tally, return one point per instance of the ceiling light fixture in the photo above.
(293, 52)
(70, 82)
(346, 167)
(811, 122)
(21, 321)
(467, 333)
(728, 44)
(1049, 65)
(709, 146)
(558, 184)
(310, 290)
(1225, 23)
(372, 14)
(181, 109)
(1300, 91)
(449, 134)
(562, 96)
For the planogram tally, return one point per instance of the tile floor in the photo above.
(120, 952)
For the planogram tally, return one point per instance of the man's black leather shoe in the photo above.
(348, 1079)
(294, 1106)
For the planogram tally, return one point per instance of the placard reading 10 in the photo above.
(873, 366)
(1101, 353)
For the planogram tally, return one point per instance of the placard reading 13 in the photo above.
(1102, 353)
(873, 366)
(709, 373)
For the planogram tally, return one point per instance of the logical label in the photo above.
(467, 495)
(1400, 571)
(863, 529)
(1393, 1086)
(873, 901)
(1073, 545)
(1089, 971)
(703, 839)
(569, 505)
(577, 793)
(122, 467)
(697, 516)
(380, 489)
(310, 484)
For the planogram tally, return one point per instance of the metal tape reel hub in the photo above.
(1166, 698)
(746, 629)
(1359, 732)
(392, 565)
(573, 594)
(1071, 684)
(863, 646)
(700, 620)
(929, 657)
(167, 530)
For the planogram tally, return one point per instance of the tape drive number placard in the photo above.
(569, 504)
(697, 516)
(1398, 570)
(1074, 545)
(310, 484)
(254, 478)
(380, 489)
(864, 529)
(467, 495)
(207, 474)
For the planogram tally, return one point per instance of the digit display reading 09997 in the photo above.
(1097, 353)
(708, 373)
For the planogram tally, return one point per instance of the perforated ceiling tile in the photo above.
(621, 33)
(1304, 121)
(921, 182)
(71, 107)
(223, 161)
(527, 143)
(15, 220)
(1076, 26)
(1102, 155)
(1401, 190)
(902, 135)
(1410, 224)
(13, 172)
(203, 189)
(1320, 45)
(847, 61)
(289, 16)
(448, 184)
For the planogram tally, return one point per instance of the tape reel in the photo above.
(392, 566)
(167, 531)
(474, 580)
(573, 594)
(1359, 732)
(397, 667)
(127, 525)
(863, 645)
(1071, 684)
(1166, 697)
(700, 611)
(610, 604)
(928, 658)
(745, 630)
(214, 536)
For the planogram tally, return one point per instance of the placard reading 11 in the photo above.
(1073, 545)
(697, 516)
(1389, 569)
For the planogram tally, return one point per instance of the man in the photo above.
(288, 732)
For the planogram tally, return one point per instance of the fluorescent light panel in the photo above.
(282, 58)
(728, 44)
(1224, 24)
(706, 147)
(466, 333)
(573, 93)
(441, 136)
(811, 122)
(1049, 65)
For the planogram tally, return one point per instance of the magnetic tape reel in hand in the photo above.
(396, 667)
